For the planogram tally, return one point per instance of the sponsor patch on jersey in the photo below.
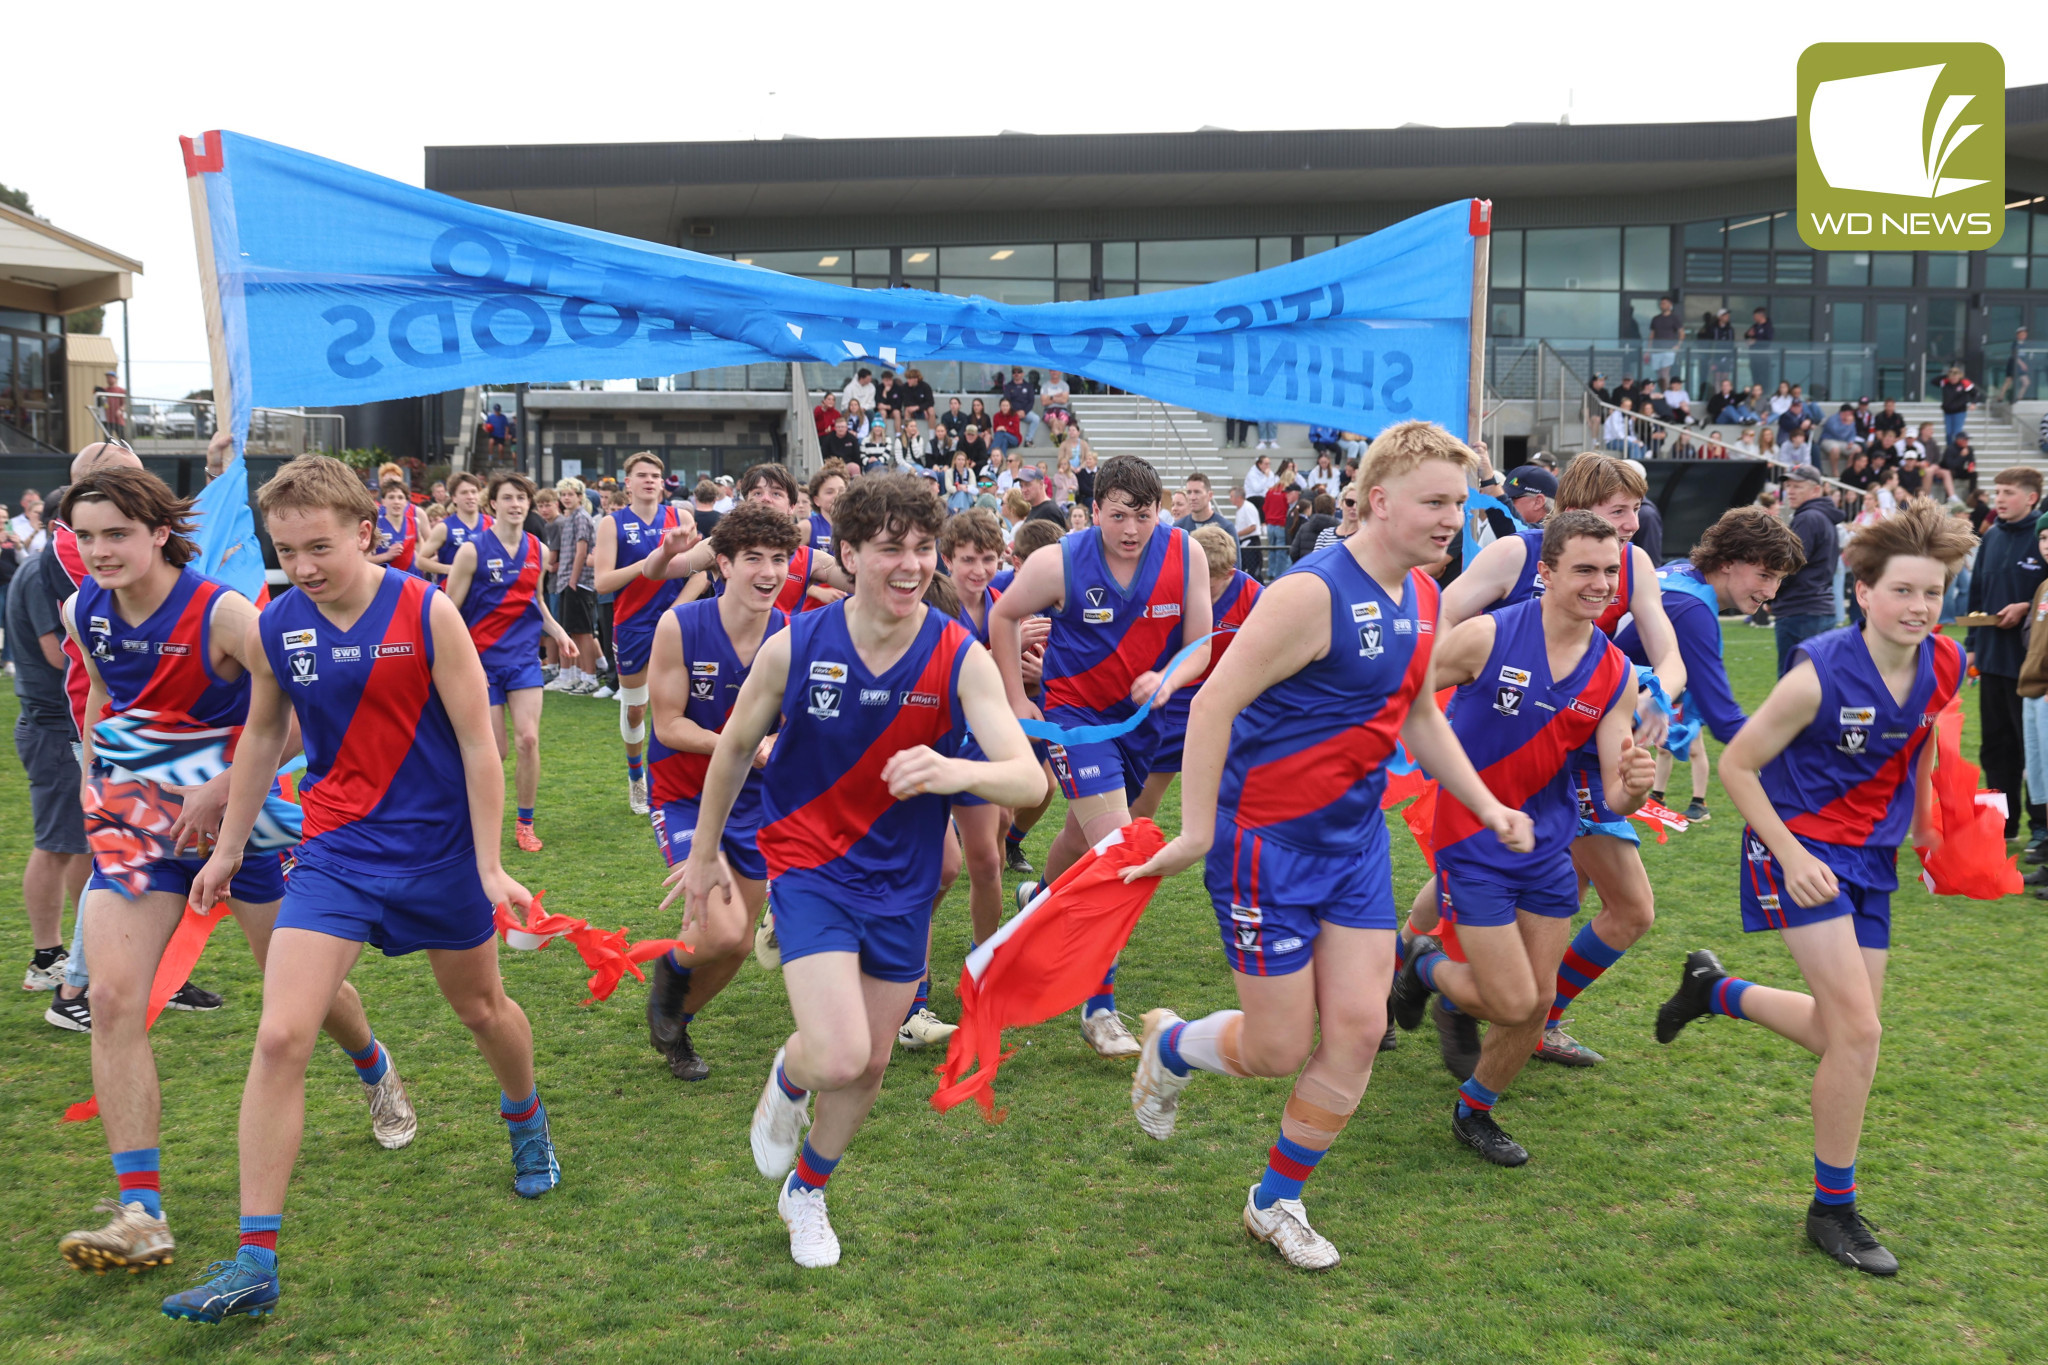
(1858, 715)
(927, 699)
(1160, 610)
(1371, 640)
(1403, 626)
(1286, 945)
(1365, 611)
(825, 670)
(1092, 770)
(1767, 902)
(105, 627)
(704, 668)
(174, 647)
(1098, 616)
(1508, 700)
(293, 639)
(135, 646)
(824, 700)
(346, 654)
(874, 696)
(1425, 627)
(1246, 914)
(1514, 677)
(1584, 708)
(497, 568)
(401, 650)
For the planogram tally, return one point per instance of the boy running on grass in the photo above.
(626, 538)
(464, 522)
(1280, 796)
(1832, 774)
(873, 695)
(402, 777)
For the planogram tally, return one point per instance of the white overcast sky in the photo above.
(97, 109)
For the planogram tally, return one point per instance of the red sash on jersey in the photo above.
(795, 594)
(513, 606)
(637, 593)
(409, 543)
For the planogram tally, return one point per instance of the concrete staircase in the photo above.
(1176, 440)
(1997, 443)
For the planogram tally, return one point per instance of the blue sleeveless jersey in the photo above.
(1305, 767)
(1104, 635)
(821, 533)
(384, 791)
(1844, 785)
(459, 534)
(829, 825)
(502, 608)
(1527, 585)
(1520, 726)
(716, 674)
(642, 598)
(161, 669)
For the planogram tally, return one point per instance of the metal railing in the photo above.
(183, 426)
(1824, 370)
(1637, 436)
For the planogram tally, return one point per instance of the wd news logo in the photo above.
(1901, 146)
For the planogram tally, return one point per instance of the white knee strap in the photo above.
(628, 697)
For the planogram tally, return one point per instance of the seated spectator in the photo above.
(1008, 426)
(917, 395)
(1793, 418)
(1838, 438)
(1912, 474)
(1782, 399)
(839, 443)
(1598, 388)
(954, 421)
(973, 446)
(826, 413)
(1858, 473)
(1679, 402)
(1722, 399)
(1054, 397)
(1739, 413)
(1618, 434)
(917, 447)
(889, 398)
(1957, 462)
(1866, 421)
(1352, 446)
(1886, 454)
(1795, 450)
(1323, 440)
(1889, 418)
(857, 420)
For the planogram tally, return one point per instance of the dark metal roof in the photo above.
(762, 194)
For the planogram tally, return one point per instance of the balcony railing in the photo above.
(183, 426)
(1834, 371)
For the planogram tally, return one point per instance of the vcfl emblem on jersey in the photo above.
(1095, 614)
(302, 665)
(1371, 640)
(1508, 700)
(497, 567)
(825, 700)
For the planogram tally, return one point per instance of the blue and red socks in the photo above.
(1426, 965)
(371, 1063)
(259, 1239)
(923, 998)
(526, 815)
(682, 969)
(1288, 1166)
(633, 769)
(1105, 995)
(1169, 1050)
(138, 1172)
(1726, 997)
(812, 1170)
(791, 1091)
(1474, 1098)
(1584, 961)
(1014, 838)
(521, 1113)
(1833, 1184)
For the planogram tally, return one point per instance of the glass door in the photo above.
(1842, 324)
(1895, 331)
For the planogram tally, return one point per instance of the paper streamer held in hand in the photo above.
(607, 953)
(1102, 734)
(1969, 858)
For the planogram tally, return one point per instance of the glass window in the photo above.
(1572, 258)
(15, 317)
(1507, 319)
(1002, 291)
(826, 261)
(1707, 235)
(1275, 251)
(2005, 272)
(1751, 233)
(1567, 313)
(1008, 262)
(1072, 290)
(1749, 267)
(2014, 242)
(920, 260)
(1948, 270)
(1120, 261)
(1646, 257)
(1848, 267)
(1704, 267)
(1311, 245)
(1197, 262)
(1118, 289)
(1505, 255)
(2041, 274)
(871, 260)
(1845, 322)
(1075, 260)
(1795, 269)
(1785, 233)
(1792, 315)
(1891, 269)
(870, 281)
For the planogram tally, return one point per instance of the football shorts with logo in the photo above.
(442, 907)
(675, 826)
(1767, 904)
(1272, 900)
(1470, 891)
(1104, 766)
(808, 921)
(1595, 815)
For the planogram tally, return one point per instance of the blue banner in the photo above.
(226, 531)
(342, 287)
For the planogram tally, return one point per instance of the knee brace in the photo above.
(1317, 1111)
(629, 697)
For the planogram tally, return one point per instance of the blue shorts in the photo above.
(443, 907)
(1271, 900)
(891, 947)
(675, 824)
(1097, 769)
(1173, 735)
(1595, 817)
(971, 751)
(258, 881)
(511, 677)
(1766, 904)
(1490, 899)
(633, 642)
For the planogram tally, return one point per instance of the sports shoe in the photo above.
(665, 1004)
(528, 841)
(1457, 1039)
(1841, 1232)
(548, 673)
(2033, 876)
(767, 948)
(73, 1014)
(2036, 850)
(778, 1127)
(1697, 813)
(1107, 1034)
(1560, 1047)
(193, 998)
(1689, 1001)
(392, 1120)
(602, 692)
(1284, 1227)
(233, 1288)
(534, 1168)
(1155, 1090)
(133, 1237)
(812, 1243)
(922, 1029)
(582, 687)
(46, 978)
(683, 1062)
(1410, 996)
(1478, 1131)
(1024, 892)
(1015, 861)
(636, 794)
(1392, 1039)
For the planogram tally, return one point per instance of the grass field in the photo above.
(1659, 1219)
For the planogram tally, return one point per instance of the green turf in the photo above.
(1659, 1219)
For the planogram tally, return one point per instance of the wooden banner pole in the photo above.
(1482, 252)
(203, 154)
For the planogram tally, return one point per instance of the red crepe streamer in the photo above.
(1969, 858)
(173, 970)
(607, 952)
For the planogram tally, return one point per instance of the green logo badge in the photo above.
(1901, 146)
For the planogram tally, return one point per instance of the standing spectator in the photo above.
(859, 389)
(58, 861)
(1321, 521)
(826, 413)
(1347, 519)
(1838, 442)
(918, 399)
(1273, 516)
(1248, 524)
(498, 429)
(1806, 603)
(2019, 370)
(1019, 394)
(703, 507)
(1981, 511)
(1235, 432)
(27, 524)
(1201, 506)
(1761, 337)
(113, 400)
(1084, 479)
(1958, 395)
(2007, 572)
(1665, 331)
(10, 564)
(2042, 434)
(1269, 436)
(1031, 481)
(576, 587)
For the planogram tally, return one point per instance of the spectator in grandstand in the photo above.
(1666, 328)
(1957, 462)
(1719, 401)
(954, 420)
(1794, 418)
(1323, 440)
(839, 442)
(1321, 520)
(1259, 478)
(1889, 418)
(974, 445)
(703, 506)
(918, 398)
(889, 399)
(1031, 481)
(1055, 396)
(1679, 402)
(1351, 445)
(859, 389)
(1021, 397)
(2019, 371)
(1838, 440)
(1201, 506)
(1279, 500)
(826, 413)
(859, 422)
(1761, 336)
(1617, 433)
(1269, 436)
(1959, 393)
(1866, 422)
(1007, 426)
(1248, 525)
(1325, 477)
(1857, 474)
(918, 448)
(1347, 519)
(2042, 434)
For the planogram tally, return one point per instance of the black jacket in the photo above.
(2008, 570)
(1810, 592)
(1650, 531)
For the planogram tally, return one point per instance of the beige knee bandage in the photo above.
(1317, 1111)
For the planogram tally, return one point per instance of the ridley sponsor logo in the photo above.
(930, 699)
(401, 650)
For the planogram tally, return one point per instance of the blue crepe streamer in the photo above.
(1102, 734)
(1680, 734)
